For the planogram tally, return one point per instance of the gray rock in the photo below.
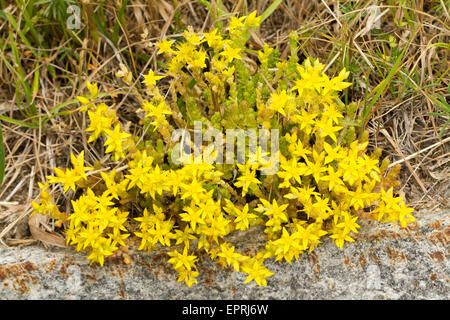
(382, 264)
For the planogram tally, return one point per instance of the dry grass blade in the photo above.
(411, 156)
(400, 153)
(35, 223)
(22, 211)
(12, 208)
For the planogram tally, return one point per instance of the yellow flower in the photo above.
(198, 59)
(305, 119)
(78, 165)
(287, 246)
(277, 214)
(67, 177)
(296, 147)
(115, 141)
(404, 214)
(279, 102)
(156, 112)
(193, 190)
(118, 238)
(332, 114)
(333, 178)
(100, 120)
(309, 235)
(150, 79)
(102, 247)
(87, 102)
(235, 24)
(256, 271)
(165, 46)
(213, 39)
(189, 276)
(312, 76)
(340, 237)
(232, 258)
(247, 180)
(242, 219)
(252, 20)
(191, 37)
(348, 224)
(332, 153)
(336, 83)
(125, 74)
(185, 236)
(292, 169)
(93, 89)
(193, 215)
(153, 182)
(316, 167)
(182, 260)
(327, 129)
(90, 235)
(231, 53)
(113, 188)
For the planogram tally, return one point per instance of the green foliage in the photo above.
(441, 103)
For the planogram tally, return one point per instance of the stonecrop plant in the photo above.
(324, 182)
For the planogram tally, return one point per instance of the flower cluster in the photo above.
(325, 182)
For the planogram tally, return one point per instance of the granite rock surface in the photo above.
(383, 263)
